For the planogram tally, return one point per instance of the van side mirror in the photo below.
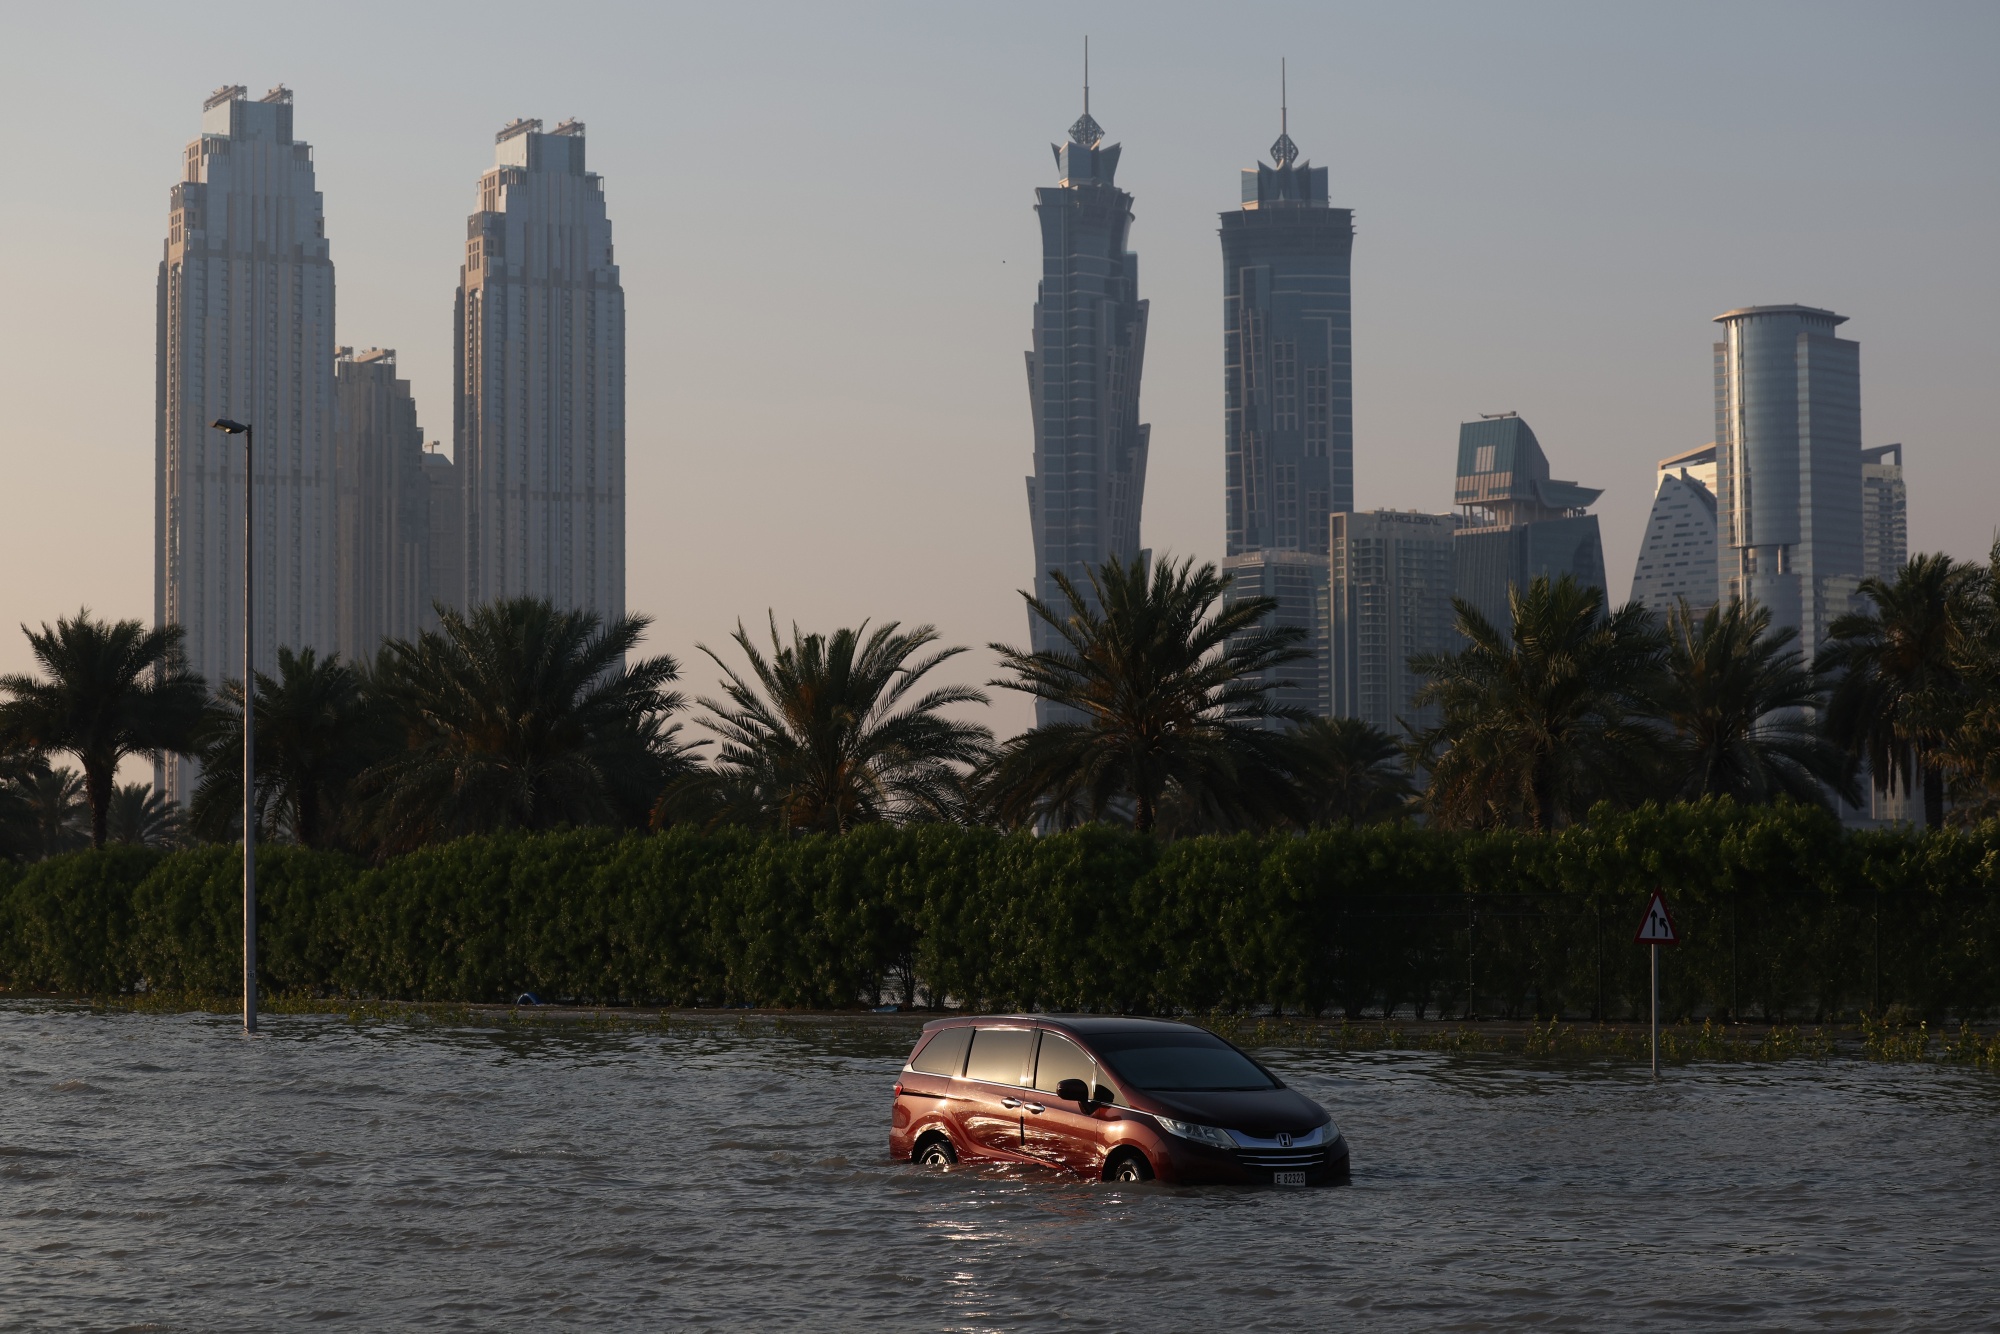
(1104, 1096)
(1073, 1090)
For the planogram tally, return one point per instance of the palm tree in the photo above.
(825, 735)
(1900, 685)
(1739, 702)
(1159, 697)
(1349, 771)
(314, 735)
(23, 776)
(1543, 720)
(111, 690)
(1970, 755)
(143, 817)
(61, 816)
(519, 715)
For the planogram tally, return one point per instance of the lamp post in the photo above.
(249, 435)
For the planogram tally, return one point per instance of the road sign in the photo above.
(1658, 927)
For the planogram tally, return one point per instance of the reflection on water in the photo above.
(166, 1172)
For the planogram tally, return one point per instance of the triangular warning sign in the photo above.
(1658, 926)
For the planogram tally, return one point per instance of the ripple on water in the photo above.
(735, 1174)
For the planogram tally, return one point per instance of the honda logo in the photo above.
(1284, 1140)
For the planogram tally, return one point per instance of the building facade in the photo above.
(1677, 556)
(1518, 522)
(382, 548)
(245, 326)
(1885, 523)
(1391, 577)
(1088, 489)
(1788, 465)
(1296, 580)
(539, 424)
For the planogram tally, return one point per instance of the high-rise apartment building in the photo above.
(1296, 581)
(1390, 582)
(1677, 556)
(1089, 485)
(540, 417)
(245, 331)
(1288, 397)
(1519, 523)
(382, 547)
(1788, 464)
(1288, 403)
(447, 521)
(1885, 524)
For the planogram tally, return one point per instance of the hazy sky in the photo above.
(823, 217)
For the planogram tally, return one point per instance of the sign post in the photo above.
(1655, 930)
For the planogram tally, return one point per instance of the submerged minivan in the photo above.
(1109, 1099)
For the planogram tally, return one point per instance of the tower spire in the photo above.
(1086, 131)
(1284, 152)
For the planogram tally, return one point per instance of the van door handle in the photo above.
(1036, 1107)
(1010, 1102)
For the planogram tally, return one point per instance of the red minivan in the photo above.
(1107, 1098)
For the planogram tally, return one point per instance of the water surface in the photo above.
(165, 1172)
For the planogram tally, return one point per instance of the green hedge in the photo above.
(1784, 915)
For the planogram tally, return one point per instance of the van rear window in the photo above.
(944, 1054)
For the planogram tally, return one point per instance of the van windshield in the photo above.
(1179, 1062)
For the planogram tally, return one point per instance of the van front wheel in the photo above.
(1130, 1165)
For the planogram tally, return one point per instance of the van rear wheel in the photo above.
(1128, 1166)
(936, 1151)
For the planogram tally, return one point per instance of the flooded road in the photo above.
(163, 1172)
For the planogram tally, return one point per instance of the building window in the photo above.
(1318, 412)
(1286, 507)
(1285, 385)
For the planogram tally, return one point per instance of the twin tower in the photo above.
(1287, 376)
(358, 531)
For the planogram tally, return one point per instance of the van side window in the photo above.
(944, 1054)
(1062, 1059)
(1001, 1056)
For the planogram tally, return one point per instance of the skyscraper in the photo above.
(1677, 556)
(1390, 585)
(1288, 397)
(1089, 484)
(245, 331)
(1288, 406)
(1885, 525)
(447, 515)
(383, 537)
(540, 417)
(1788, 464)
(1296, 580)
(1519, 522)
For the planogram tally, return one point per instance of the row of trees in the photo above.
(520, 715)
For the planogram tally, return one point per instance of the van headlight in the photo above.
(1210, 1135)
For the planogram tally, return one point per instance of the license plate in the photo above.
(1288, 1178)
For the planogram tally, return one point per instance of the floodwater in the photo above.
(164, 1172)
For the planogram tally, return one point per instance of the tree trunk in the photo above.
(1933, 797)
(308, 830)
(97, 785)
(1142, 813)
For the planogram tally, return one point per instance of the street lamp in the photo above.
(249, 435)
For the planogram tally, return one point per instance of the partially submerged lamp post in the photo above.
(249, 435)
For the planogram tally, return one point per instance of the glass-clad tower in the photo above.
(1788, 464)
(1288, 418)
(540, 420)
(245, 331)
(1089, 348)
(1288, 414)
